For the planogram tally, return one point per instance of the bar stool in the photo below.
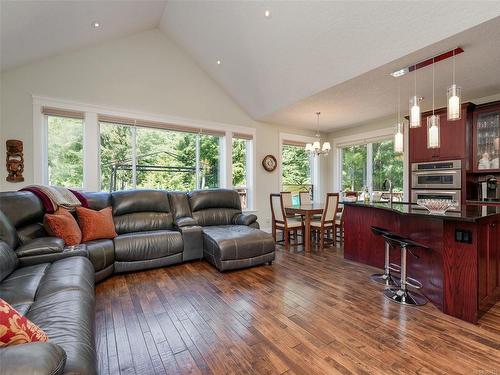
(385, 278)
(401, 294)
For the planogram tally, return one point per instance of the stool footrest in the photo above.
(410, 281)
(395, 267)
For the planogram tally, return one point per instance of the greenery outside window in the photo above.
(369, 165)
(152, 158)
(296, 169)
(240, 156)
(65, 151)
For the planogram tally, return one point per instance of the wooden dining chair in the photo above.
(305, 197)
(339, 226)
(280, 221)
(328, 219)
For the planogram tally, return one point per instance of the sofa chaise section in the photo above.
(231, 238)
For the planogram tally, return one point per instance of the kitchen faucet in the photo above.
(384, 186)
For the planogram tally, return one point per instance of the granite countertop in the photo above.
(468, 212)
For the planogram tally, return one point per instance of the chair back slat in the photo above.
(305, 197)
(330, 211)
(287, 198)
(276, 207)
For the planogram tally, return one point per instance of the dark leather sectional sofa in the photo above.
(53, 286)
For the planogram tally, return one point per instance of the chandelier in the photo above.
(316, 148)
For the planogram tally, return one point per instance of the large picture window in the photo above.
(65, 151)
(240, 158)
(369, 165)
(151, 158)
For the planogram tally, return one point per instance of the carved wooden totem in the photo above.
(15, 161)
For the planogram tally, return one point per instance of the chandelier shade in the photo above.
(454, 95)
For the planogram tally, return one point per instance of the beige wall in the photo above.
(145, 73)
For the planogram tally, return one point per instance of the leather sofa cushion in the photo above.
(8, 260)
(37, 358)
(21, 207)
(67, 316)
(130, 201)
(67, 274)
(143, 221)
(30, 232)
(8, 233)
(101, 253)
(40, 246)
(147, 245)
(20, 287)
(98, 200)
(179, 204)
(230, 242)
(214, 198)
(215, 216)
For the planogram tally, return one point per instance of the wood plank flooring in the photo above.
(305, 314)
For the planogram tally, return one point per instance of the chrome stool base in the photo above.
(405, 297)
(387, 280)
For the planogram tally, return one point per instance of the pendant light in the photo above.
(398, 137)
(415, 116)
(454, 95)
(315, 148)
(433, 121)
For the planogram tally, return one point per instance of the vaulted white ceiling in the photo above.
(332, 56)
(31, 30)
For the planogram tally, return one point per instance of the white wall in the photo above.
(145, 73)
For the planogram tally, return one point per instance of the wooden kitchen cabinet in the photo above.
(453, 138)
(486, 135)
(488, 264)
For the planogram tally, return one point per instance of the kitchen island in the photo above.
(460, 272)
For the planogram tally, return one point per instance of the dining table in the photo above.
(307, 211)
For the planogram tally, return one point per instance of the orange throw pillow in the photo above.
(16, 329)
(62, 224)
(96, 225)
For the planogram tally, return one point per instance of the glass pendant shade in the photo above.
(316, 146)
(415, 117)
(399, 139)
(433, 131)
(326, 147)
(454, 95)
(309, 147)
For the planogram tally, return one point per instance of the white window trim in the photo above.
(365, 138)
(316, 163)
(92, 142)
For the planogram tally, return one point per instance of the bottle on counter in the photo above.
(366, 195)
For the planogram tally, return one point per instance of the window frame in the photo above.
(368, 138)
(91, 142)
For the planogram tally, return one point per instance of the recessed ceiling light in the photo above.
(219, 62)
(96, 25)
(267, 13)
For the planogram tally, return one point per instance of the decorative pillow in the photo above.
(96, 225)
(63, 225)
(16, 329)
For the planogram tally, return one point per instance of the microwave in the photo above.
(452, 195)
(437, 175)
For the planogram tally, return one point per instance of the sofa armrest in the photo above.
(244, 219)
(185, 221)
(41, 246)
(36, 358)
(192, 238)
(70, 251)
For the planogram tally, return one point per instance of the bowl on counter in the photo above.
(437, 206)
(350, 198)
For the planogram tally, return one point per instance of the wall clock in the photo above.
(269, 163)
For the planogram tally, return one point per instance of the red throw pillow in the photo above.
(62, 224)
(16, 329)
(96, 225)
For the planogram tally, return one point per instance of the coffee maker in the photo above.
(489, 189)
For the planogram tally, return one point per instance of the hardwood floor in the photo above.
(305, 314)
